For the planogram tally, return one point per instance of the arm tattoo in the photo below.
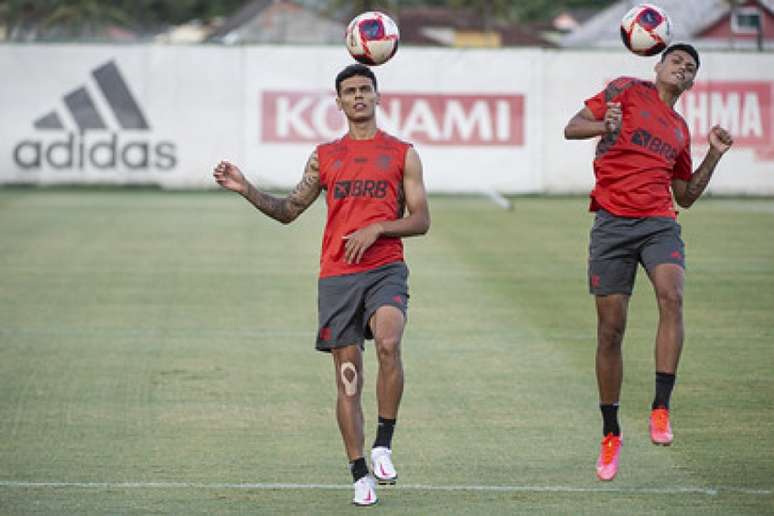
(701, 178)
(286, 209)
(698, 183)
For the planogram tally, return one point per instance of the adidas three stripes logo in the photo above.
(84, 111)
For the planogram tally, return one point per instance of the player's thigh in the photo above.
(613, 259)
(612, 310)
(664, 244)
(340, 305)
(387, 324)
(386, 303)
(608, 277)
(663, 256)
(668, 281)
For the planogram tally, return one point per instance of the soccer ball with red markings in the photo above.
(372, 38)
(646, 30)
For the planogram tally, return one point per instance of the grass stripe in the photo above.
(710, 491)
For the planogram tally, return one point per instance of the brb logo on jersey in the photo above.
(360, 188)
(646, 140)
(93, 145)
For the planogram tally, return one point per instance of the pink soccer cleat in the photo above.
(660, 429)
(609, 453)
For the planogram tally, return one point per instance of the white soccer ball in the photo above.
(372, 38)
(646, 30)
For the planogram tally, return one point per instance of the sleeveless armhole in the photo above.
(322, 166)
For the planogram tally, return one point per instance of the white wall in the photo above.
(480, 119)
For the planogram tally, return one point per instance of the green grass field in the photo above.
(156, 357)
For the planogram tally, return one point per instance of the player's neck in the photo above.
(668, 94)
(365, 130)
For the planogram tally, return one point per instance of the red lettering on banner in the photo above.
(300, 117)
(433, 119)
(744, 108)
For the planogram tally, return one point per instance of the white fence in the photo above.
(480, 119)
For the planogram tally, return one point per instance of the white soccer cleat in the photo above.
(381, 461)
(365, 491)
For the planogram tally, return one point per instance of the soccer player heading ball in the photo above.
(370, 179)
(643, 159)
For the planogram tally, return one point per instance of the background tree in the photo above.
(81, 19)
(29, 20)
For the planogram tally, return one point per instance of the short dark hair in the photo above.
(685, 47)
(354, 70)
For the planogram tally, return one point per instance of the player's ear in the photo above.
(378, 97)
(658, 67)
(338, 103)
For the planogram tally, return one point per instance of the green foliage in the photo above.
(79, 18)
(60, 19)
(174, 12)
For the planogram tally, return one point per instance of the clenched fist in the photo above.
(229, 176)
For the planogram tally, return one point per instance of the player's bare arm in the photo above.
(584, 125)
(687, 192)
(417, 222)
(285, 209)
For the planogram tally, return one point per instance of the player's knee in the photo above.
(350, 380)
(388, 348)
(670, 299)
(610, 335)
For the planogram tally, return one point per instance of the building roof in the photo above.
(278, 22)
(688, 17)
(436, 26)
(248, 11)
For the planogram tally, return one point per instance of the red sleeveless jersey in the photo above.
(363, 180)
(635, 167)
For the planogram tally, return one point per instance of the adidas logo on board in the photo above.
(91, 143)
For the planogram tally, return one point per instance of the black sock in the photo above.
(358, 468)
(665, 382)
(610, 419)
(384, 432)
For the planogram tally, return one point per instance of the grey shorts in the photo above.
(618, 244)
(346, 303)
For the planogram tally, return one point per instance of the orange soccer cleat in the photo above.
(660, 429)
(609, 453)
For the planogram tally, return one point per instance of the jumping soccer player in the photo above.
(643, 151)
(370, 179)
